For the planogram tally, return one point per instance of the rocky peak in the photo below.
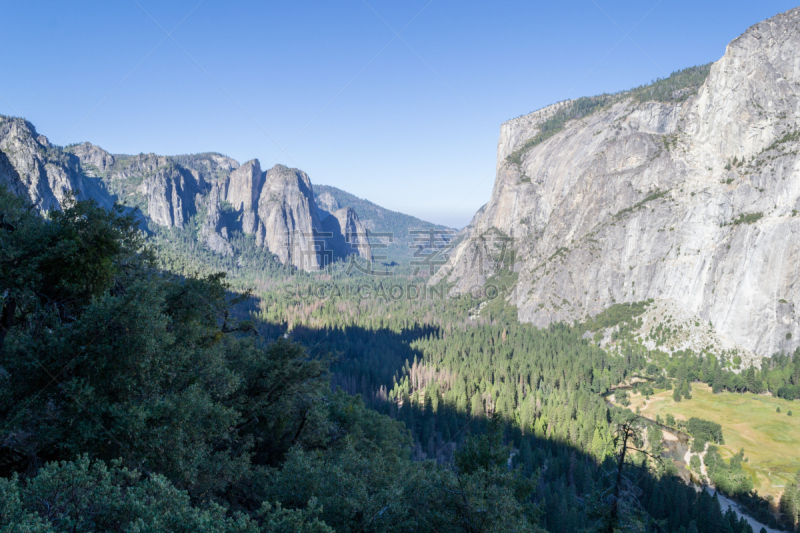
(94, 160)
(276, 206)
(42, 170)
(244, 186)
(288, 223)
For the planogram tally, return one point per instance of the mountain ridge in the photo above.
(212, 191)
(402, 243)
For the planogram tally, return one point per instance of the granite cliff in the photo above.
(685, 191)
(208, 194)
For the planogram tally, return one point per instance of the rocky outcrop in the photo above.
(94, 160)
(347, 234)
(170, 194)
(45, 173)
(277, 207)
(243, 187)
(690, 198)
(288, 224)
(9, 177)
(214, 232)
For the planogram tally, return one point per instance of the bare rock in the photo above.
(44, 172)
(244, 186)
(348, 234)
(288, 224)
(694, 202)
(94, 160)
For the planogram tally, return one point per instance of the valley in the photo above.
(191, 343)
(750, 422)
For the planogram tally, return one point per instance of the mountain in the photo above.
(400, 240)
(210, 196)
(685, 191)
(30, 165)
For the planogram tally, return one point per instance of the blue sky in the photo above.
(409, 122)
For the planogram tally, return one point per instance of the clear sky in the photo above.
(399, 102)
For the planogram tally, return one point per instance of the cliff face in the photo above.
(170, 194)
(277, 207)
(690, 197)
(287, 218)
(40, 170)
(94, 160)
(243, 187)
(348, 233)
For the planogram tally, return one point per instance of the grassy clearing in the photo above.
(771, 440)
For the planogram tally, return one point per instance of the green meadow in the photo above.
(771, 440)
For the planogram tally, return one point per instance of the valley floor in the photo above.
(771, 440)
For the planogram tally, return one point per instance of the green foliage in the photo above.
(790, 136)
(55, 267)
(177, 250)
(790, 502)
(749, 218)
(144, 395)
(182, 419)
(655, 195)
(623, 315)
(677, 87)
(704, 431)
(729, 478)
(574, 110)
(84, 496)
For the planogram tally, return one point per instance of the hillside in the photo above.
(377, 219)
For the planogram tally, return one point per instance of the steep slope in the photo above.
(684, 194)
(402, 245)
(208, 197)
(30, 165)
(348, 232)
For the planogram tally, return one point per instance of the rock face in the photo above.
(243, 187)
(43, 172)
(170, 194)
(94, 160)
(287, 218)
(347, 232)
(276, 207)
(327, 203)
(691, 198)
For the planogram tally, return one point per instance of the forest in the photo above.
(135, 398)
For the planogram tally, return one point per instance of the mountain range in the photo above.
(209, 195)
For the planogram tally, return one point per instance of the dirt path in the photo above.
(702, 456)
